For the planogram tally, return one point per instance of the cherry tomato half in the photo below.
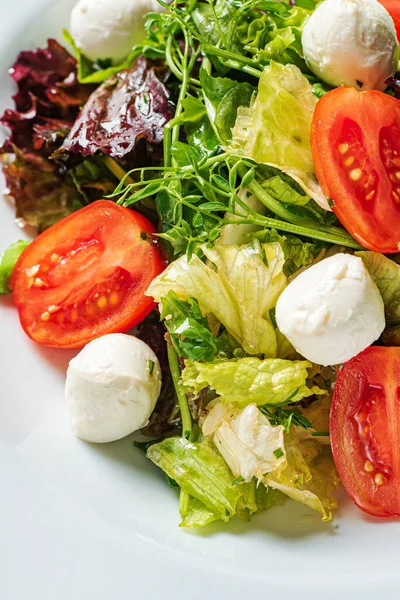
(365, 430)
(356, 150)
(86, 276)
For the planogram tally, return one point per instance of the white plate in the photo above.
(83, 522)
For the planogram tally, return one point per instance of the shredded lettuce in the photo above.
(386, 274)
(275, 130)
(7, 263)
(239, 293)
(250, 445)
(269, 381)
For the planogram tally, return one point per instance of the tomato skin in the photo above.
(393, 8)
(355, 141)
(365, 430)
(86, 276)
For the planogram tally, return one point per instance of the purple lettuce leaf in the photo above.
(131, 106)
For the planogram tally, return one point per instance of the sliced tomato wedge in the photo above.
(355, 141)
(393, 8)
(365, 430)
(86, 276)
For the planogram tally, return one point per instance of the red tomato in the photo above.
(86, 276)
(393, 8)
(355, 141)
(365, 430)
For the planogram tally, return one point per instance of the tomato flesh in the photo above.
(356, 150)
(86, 276)
(365, 430)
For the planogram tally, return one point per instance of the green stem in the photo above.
(313, 232)
(227, 55)
(167, 143)
(116, 169)
(269, 202)
(170, 60)
(187, 429)
(182, 399)
(280, 211)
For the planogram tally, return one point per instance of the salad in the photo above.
(215, 186)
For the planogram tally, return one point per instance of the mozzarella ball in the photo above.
(332, 311)
(351, 42)
(112, 387)
(110, 28)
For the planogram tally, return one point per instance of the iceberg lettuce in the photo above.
(271, 381)
(240, 292)
(386, 274)
(275, 130)
(310, 476)
(250, 445)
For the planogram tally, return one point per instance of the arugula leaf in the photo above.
(240, 292)
(271, 381)
(276, 129)
(386, 274)
(188, 329)
(7, 263)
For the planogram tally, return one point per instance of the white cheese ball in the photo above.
(110, 28)
(351, 42)
(332, 311)
(112, 387)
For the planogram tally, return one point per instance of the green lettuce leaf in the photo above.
(297, 253)
(386, 274)
(223, 97)
(239, 293)
(198, 128)
(188, 329)
(7, 263)
(200, 471)
(92, 72)
(198, 515)
(240, 233)
(250, 445)
(276, 129)
(269, 381)
(273, 32)
(254, 499)
(310, 476)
